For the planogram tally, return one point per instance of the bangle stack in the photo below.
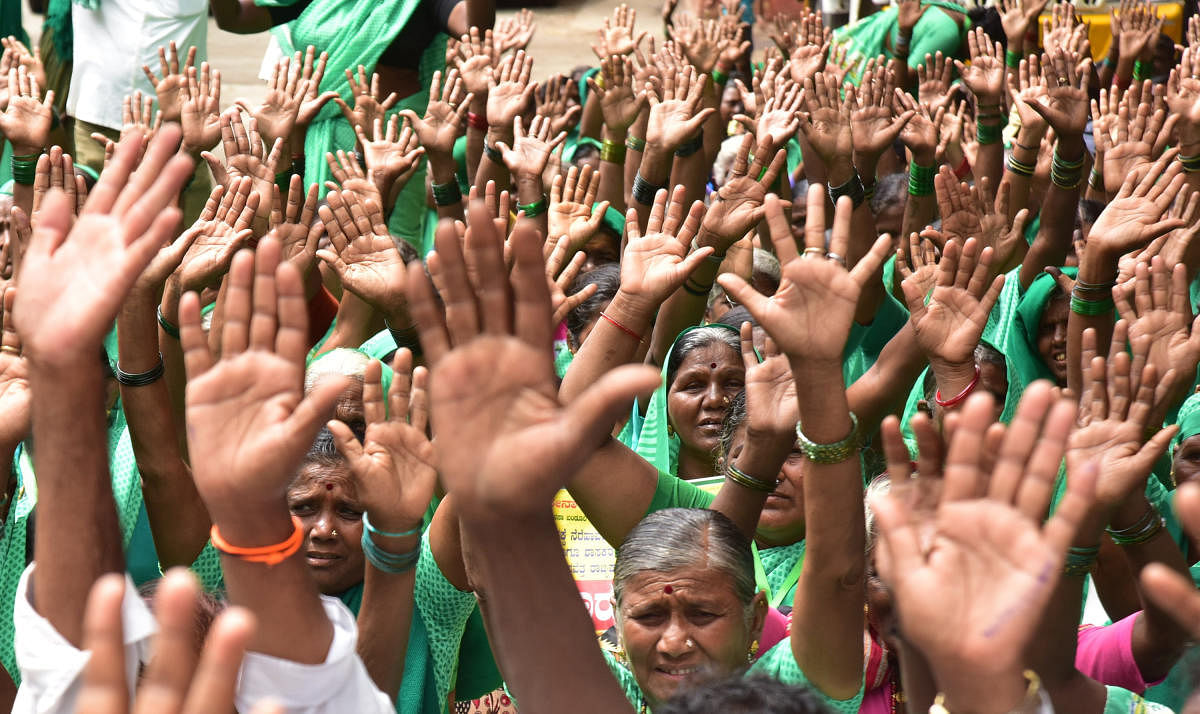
(476, 121)
(447, 194)
(920, 179)
(390, 563)
(988, 133)
(1092, 299)
(493, 154)
(901, 46)
(1191, 164)
(1146, 528)
(741, 478)
(1066, 174)
(852, 188)
(690, 146)
(535, 209)
(1096, 180)
(1080, 560)
(644, 191)
(1140, 71)
(24, 168)
(1012, 59)
(140, 379)
(1020, 168)
(612, 151)
(635, 144)
(719, 77)
(834, 453)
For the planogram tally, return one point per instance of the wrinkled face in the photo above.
(1052, 337)
(708, 378)
(324, 499)
(881, 612)
(685, 626)
(782, 519)
(1187, 460)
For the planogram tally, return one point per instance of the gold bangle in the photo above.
(740, 477)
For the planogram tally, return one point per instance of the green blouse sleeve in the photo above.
(444, 610)
(674, 492)
(779, 663)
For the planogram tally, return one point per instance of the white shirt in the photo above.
(112, 43)
(52, 668)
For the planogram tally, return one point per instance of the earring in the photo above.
(753, 651)
(670, 429)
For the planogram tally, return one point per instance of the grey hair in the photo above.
(696, 339)
(676, 538)
(986, 354)
(890, 189)
(879, 486)
(340, 362)
(725, 158)
(767, 265)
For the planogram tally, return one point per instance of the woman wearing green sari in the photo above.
(403, 41)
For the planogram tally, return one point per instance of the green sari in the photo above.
(357, 33)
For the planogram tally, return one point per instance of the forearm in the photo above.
(385, 618)
(633, 161)
(685, 307)
(919, 211)
(356, 322)
(656, 171)
(174, 375)
(884, 387)
(989, 161)
(493, 169)
(1097, 267)
(481, 14)
(761, 459)
(1025, 151)
(443, 171)
(612, 174)
(607, 346)
(691, 172)
(1057, 220)
(531, 191)
(475, 137)
(591, 121)
(614, 489)
(78, 535)
(179, 522)
(827, 614)
(541, 635)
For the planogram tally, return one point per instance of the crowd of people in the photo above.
(868, 360)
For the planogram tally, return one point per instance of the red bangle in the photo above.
(267, 554)
(622, 328)
(476, 121)
(963, 169)
(955, 401)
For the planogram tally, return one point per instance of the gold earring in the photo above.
(753, 651)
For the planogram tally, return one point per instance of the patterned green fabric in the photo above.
(875, 34)
(626, 681)
(779, 663)
(777, 563)
(1123, 701)
(356, 33)
(1188, 419)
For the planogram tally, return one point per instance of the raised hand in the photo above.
(1138, 214)
(739, 205)
(27, 119)
(656, 263)
(561, 278)
(367, 104)
(493, 378)
(949, 321)
(777, 120)
(1130, 144)
(554, 104)
(364, 254)
(247, 155)
(1065, 102)
(616, 37)
(393, 467)
(74, 277)
(201, 110)
(985, 75)
(176, 681)
(509, 90)
(530, 151)
(772, 408)
(826, 120)
(960, 213)
(675, 111)
(476, 59)
(222, 229)
(171, 87)
(514, 33)
(276, 116)
(312, 102)
(921, 132)
(811, 313)
(1140, 25)
(444, 121)
(572, 211)
(933, 81)
(971, 584)
(55, 170)
(620, 103)
(874, 125)
(293, 226)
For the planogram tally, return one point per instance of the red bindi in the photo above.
(667, 589)
(712, 365)
(328, 487)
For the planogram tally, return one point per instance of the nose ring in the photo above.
(688, 643)
(333, 532)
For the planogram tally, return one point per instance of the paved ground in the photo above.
(562, 41)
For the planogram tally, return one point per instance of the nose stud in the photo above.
(333, 532)
(688, 643)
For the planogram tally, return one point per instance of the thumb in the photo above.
(590, 416)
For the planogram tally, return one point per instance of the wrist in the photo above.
(981, 690)
(442, 168)
(529, 188)
(497, 133)
(633, 310)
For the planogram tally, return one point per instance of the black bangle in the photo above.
(644, 191)
(171, 330)
(140, 379)
(493, 153)
(447, 194)
(405, 337)
(697, 291)
(852, 188)
(690, 146)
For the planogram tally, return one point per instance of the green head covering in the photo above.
(583, 85)
(655, 441)
(1188, 419)
(1025, 364)
(613, 220)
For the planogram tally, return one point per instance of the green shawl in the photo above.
(651, 436)
(357, 33)
(1188, 420)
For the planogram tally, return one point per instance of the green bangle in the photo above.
(920, 179)
(447, 194)
(24, 170)
(167, 327)
(1019, 167)
(1140, 71)
(834, 453)
(634, 143)
(719, 77)
(1081, 560)
(1090, 308)
(1146, 528)
(535, 209)
(1012, 59)
(988, 133)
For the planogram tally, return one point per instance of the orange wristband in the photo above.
(267, 554)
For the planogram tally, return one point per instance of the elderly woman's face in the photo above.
(683, 627)
(707, 379)
(324, 498)
(1186, 465)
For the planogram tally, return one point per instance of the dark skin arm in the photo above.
(241, 17)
